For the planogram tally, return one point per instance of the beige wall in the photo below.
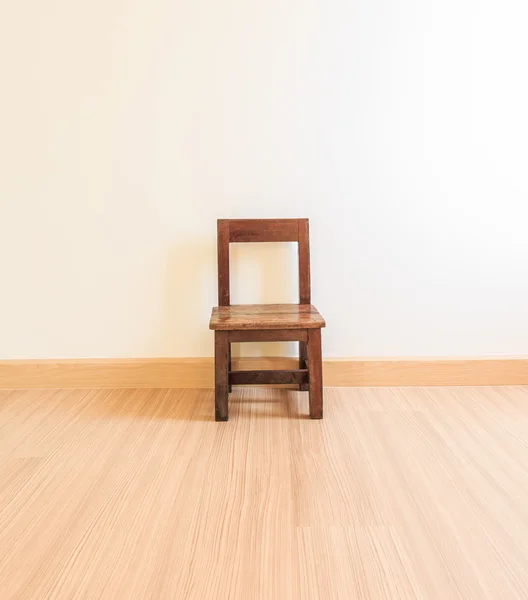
(127, 128)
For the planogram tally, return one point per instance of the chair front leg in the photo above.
(221, 375)
(229, 368)
(315, 368)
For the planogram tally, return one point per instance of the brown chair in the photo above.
(267, 322)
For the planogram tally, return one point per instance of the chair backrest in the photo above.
(263, 230)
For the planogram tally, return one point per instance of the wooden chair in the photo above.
(267, 322)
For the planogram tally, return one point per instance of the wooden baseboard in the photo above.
(427, 372)
(198, 372)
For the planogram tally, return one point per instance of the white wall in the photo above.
(399, 127)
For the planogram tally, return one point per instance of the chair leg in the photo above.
(221, 375)
(229, 368)
(315, 368)
(303, 363)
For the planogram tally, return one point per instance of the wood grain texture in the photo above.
(222, 387)
(303, 362)
(107, 373)
(269, 335)
(267, 322)
(407, 494)
(266, 316)
(263, 230)
(229, 363)
(428, 371)
(315, 368)
(223, 262)
(199, 372)
(304, 262)
(295, 376)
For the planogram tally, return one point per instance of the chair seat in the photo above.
(266, 316)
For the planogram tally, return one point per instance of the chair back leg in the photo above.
(303, 363)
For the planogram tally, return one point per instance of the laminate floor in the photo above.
(139, 494)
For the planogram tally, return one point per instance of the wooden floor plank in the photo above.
(138, 493)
